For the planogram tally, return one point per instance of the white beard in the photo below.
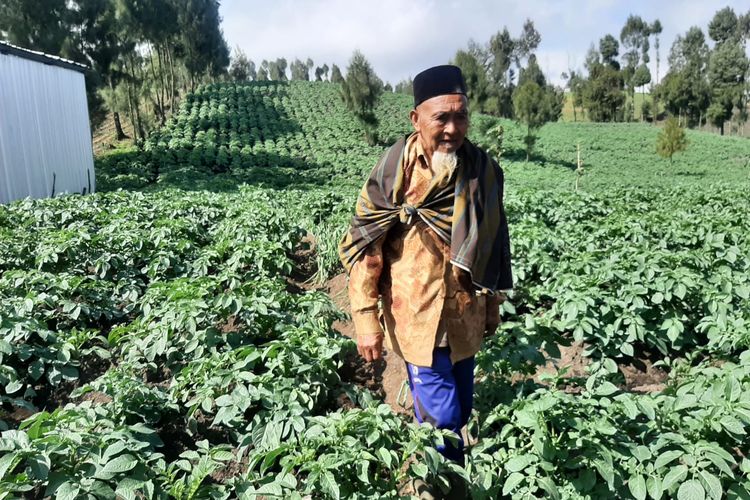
(443, 165)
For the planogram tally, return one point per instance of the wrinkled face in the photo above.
(442, 123)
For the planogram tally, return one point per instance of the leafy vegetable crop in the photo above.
(158, 341)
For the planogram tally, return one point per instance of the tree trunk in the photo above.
(172, 81)
(162, 82)
(120, 133)
(722, 128)
(158, 103)
(131, 113)
(138, 124)
(657, 60)
(118, 127)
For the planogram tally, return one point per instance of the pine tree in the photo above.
(671, 139)
(361, 90)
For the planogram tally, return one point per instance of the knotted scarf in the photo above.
(466, 214)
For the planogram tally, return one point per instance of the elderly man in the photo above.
(430, 238)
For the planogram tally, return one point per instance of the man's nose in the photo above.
(450, 127)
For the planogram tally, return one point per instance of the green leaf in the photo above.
(605, 470)
(385, 456)
(114, 449)
(637, 487)
(654, 487)
(329, 484)
(39, 465)
(67, 491)
(518, 463)
(667, 457)
(549, 486)
(712, 484)
(511, 482)
(675, 475)
(128, 487)
(8, 462)
(732, 425)
(647, 407)
(526, 418)
(286, 480)
(13, 386)
(420, 470)
(691, 490)
(606, 389)
(36, 369)
(118, 465)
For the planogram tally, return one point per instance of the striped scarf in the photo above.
(466, 214)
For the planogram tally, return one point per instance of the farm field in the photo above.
(170, 337)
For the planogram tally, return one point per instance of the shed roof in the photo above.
(7, 48)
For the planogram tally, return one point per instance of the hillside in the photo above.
(171, 336)
(299, 133)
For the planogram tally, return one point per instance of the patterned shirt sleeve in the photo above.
(363, 291)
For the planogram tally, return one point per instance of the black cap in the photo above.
(438, 80)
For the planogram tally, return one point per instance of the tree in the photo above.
(684, 96)
(724, 26)
(634, 37)
(603, 97)
(671, 139)
(532, 73)
(336, 76)
(42, 25)
(655, 29)
(405, 87)
(728, 66)
(527, 43)
(575, 84)
(263, 71)
(277, 70)
(361, 90)
(202, 39)
(299, 70)
(609, 49)
(239, 68)
(684, 89)
(641, 76)
(475, 77)
(321, 73)
(504, 50)
(534, 106)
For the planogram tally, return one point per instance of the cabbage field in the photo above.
(170, 336)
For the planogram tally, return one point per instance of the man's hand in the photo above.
(370, 346)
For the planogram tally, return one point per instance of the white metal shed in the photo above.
(45, 139)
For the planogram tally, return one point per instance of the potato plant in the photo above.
(163, 338)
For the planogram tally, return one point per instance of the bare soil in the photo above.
(639, 374)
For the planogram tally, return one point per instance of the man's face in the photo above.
(442, 123)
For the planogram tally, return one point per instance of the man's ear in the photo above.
(414, 117)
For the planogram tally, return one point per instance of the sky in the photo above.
(402, 37)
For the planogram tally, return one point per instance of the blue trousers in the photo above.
(443, 396)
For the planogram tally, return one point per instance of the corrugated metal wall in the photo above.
(44, 130)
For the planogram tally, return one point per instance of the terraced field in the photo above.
(169, 337)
